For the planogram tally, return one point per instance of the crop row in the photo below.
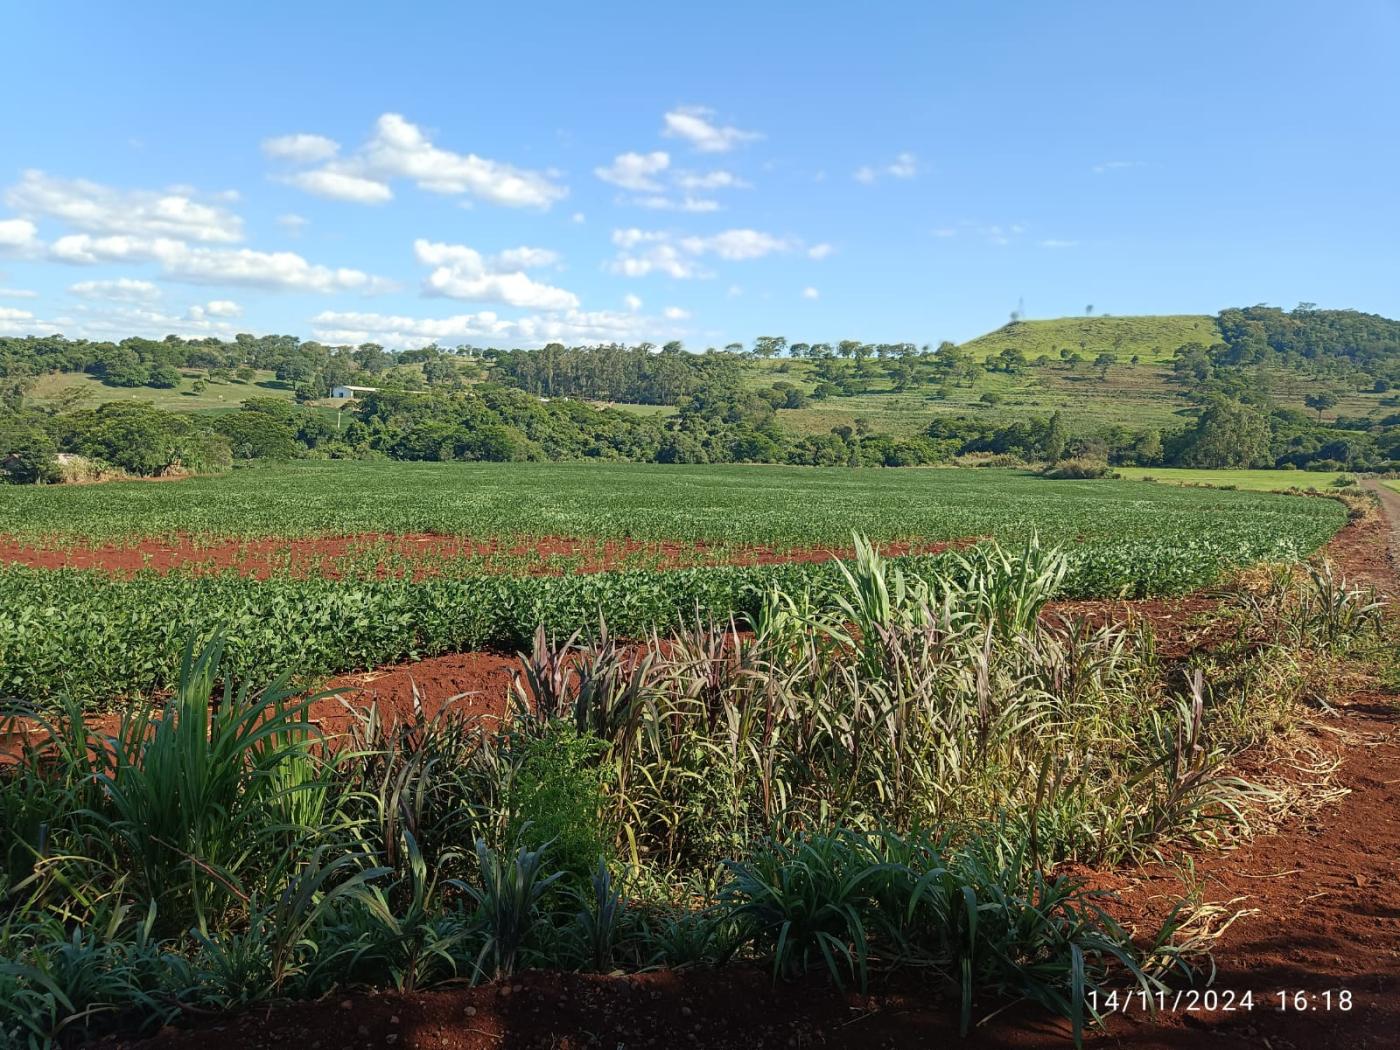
(101, 638)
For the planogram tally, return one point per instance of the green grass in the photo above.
(216, 397)
(1154, 338)
(1250, 480)
(1130, 396)
(782, 506)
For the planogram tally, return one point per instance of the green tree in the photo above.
(1227, 433)
(164, 377)
(1321, 402)
(28, 455)
(1056, 437)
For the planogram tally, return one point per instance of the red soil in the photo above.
(421, 554)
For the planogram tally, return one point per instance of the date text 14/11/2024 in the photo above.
(1218, 1000)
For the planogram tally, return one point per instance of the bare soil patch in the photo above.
(418, 554)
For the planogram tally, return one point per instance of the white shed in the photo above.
(352, 391)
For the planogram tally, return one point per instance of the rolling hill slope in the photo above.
(1153, 338)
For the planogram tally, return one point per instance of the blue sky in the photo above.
(507, 176)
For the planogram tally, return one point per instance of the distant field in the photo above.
(1251, 480)
(780, 506)
(215, 397)
(1153, 339)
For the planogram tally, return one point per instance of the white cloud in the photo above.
(675, 313)
(21, 322)
(904, 166)
(737, 244)
(18, 293)
(341, 186)
(463, 273)
(118, 321)
(1117, 165)
(660, 202)
(632, 302)
(121, 290)
(222, 308)
(18, 235)
(524, 258)
(293, 223)
(710, 180)
(578, 217)
(140, 213)
(635, 171)
(571, 326)
(695, 124)
(656, 251)
(820, 251)
(301, 149)
(810, 293)
(281, 270)
(1053, 243)
(945, 231)
(400, 149)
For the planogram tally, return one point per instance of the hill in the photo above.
(1153, 338)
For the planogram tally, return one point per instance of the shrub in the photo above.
(1079, 469)
(555, 798)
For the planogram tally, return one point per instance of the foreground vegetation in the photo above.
(99, 637)
(888, 784)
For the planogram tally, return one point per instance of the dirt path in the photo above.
(1390, 506)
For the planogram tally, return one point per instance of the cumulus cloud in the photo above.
(461, 272)
(180, 261)
(632, 302)
(570, 326)
(660, 202)
(123, 289)
(810, 293)
(102, 209)
(657, 251)
(709, 180)
(18, 235)
(301, 149)
(524, 258)
(635, 171)
(399, 149)
(341, 186)
(120, 320)
(222, 308)
(675, 313)
(18, 293)
(904, 166)
(697, 126)
(820, 251)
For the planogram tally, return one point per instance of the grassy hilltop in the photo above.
(1151, 338)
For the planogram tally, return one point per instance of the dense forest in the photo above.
(471, 403)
